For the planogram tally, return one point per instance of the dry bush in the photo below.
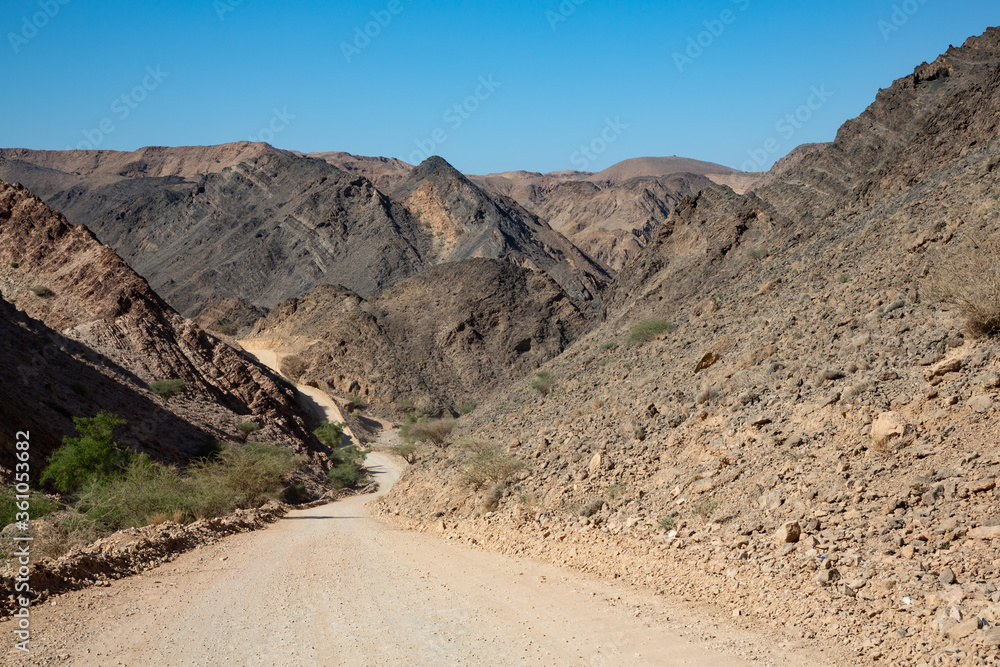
(436, 431)
(543, 382)
(491, 465)
(293, 367)
(969, 278)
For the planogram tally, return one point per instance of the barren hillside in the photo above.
(776, 414)
(441, 339)
(61, 276)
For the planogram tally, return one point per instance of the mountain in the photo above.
(612, 213)
(53, 171)
(783, 411)
(262, 225)
(459, 221)
(383, 172)
(445, 337)
(658, 166)
(260, 230)
(60, 276)
(611, 223)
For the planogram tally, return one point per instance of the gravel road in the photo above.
(332, 586)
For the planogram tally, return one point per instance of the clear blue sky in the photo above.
(121, 75)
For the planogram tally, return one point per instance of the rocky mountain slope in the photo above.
(264, 229)
(813, 441)
(460, 221)
(62, 278)
(611, 223)
(611, 214)
(383, 172)
(261, 225)
(443, 338)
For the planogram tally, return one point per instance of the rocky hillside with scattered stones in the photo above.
(782, 412)
(443, 338)
(81, 301)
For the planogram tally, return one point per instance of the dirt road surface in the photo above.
(332, 586)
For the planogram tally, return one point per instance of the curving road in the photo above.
(332, 586)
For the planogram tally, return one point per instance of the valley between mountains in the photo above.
(666, 413)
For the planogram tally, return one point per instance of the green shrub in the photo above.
(128, 500)
(474, 445)
(167, 389)
(348, 467)
(14, 265)
(242, 476)
(226, 328)
(491, 465)
(407, 450)
(609, 345)
(667, 523)
(331, 434)
(647, 330)
(246, 428)
(465, 408)
(41, 290)
(405, 406)
(357, 401)
(543, 382)
(293, 367)
(435, 431)
(94, 453)
(38, 506)
(80, 389)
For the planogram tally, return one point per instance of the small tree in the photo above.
(331, 434)
(348, 467)
(246, 428)
(93, 454)
(167, 389)
(408, 451)
(490, 465)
